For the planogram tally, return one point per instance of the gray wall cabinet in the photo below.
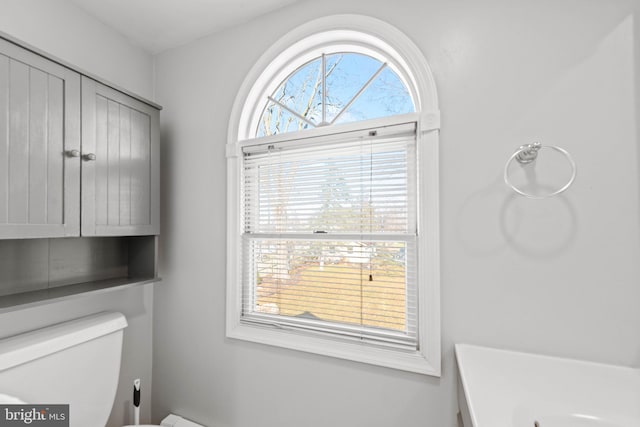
(39, 131)
(79, 159)
(120, 181)
(59, 181)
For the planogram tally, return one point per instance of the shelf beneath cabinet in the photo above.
(61, 293)
(37, 271)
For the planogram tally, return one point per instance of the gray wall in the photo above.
(63, 30)
(559, 276)
(58, 27)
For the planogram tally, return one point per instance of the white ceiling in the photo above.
(157, 25)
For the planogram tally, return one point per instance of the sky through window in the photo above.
(353, 87)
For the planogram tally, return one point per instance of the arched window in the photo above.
(335, 88)
(332, 197)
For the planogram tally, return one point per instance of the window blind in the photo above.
(329, 236)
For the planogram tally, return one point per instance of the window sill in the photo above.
(416, 361)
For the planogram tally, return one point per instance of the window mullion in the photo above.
(272, 99)
(324, 89)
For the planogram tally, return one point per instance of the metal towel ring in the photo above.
(526, 154)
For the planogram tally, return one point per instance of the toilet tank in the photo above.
(75, 362)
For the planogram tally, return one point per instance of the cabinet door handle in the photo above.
(72, 153)
(88, 157)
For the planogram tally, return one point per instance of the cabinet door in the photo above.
(120, 163)
(39, 143)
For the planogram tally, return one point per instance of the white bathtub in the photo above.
(498, 388)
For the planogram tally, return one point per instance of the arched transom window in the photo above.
(332, 197)
(335, 88)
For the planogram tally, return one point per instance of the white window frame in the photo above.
(274, 66)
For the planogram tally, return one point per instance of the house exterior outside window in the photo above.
(333, 197)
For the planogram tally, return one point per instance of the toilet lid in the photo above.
(5, 399)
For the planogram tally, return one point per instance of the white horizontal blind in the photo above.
(329, 242)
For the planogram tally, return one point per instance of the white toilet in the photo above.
(75, 362)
